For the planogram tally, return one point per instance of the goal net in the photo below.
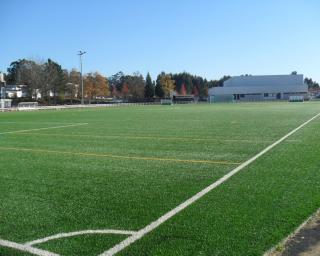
(166, 102)
(221, 98)
(5, 104)
(296, 98)
(28, 106)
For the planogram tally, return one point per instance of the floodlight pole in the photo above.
(81, 76)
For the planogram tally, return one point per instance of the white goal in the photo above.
(166, 102)
(28, 106)
(5, 104)
(296, 98)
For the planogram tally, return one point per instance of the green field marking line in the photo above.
(144, 137)
(153, 225)
(79, 233)
(26, 248)
(194, 161)
(45, 128)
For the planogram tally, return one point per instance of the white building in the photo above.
(16, 91)
(5, 104)
(1, 77)
(268, 87)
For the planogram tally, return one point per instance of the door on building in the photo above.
(278, 96)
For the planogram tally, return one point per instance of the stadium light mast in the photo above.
(81, 76)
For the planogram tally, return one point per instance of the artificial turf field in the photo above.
(123, 168)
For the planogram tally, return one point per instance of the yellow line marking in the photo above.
(142, 137)
(119, 156)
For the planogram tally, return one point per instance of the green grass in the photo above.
(45, 190)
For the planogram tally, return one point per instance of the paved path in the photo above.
(306, 242)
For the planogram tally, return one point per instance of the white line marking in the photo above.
(5, 122)
(84, 232)
(153, 225)
(46, 128)
(26, 248)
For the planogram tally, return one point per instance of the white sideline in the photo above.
(77, 233)
(153, 225)
(26, 248)
(46, 128)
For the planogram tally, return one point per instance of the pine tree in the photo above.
(159, 89)
(149, 89)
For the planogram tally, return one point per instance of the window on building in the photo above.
(266, 94)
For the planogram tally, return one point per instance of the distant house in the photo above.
(314, 92)
(269, 87)
(2, 81)
(2, 86)
(16, 91)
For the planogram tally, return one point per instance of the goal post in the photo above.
(28, 106)
(166, 102)
(296, 98)
(5, 104)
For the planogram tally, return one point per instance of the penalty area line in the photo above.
(153, 225)
(45, 128)
(79, 233)
(26, 248)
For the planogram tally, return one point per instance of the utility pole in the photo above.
(81, 76)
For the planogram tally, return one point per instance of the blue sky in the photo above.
(204, 37)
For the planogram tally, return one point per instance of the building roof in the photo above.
(267, 80)
(261, 84)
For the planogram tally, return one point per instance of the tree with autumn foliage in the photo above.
(166, 82)
(125, 90)
(136, 85)
(102, 86)
(183, 90)
(96, 86)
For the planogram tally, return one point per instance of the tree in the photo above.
(14, 72)
(72, 85)
(29, 73)
(55, 80)
(89, 87)
(183, 90)
(96, 86)
(166, 82)
(116, 81)
(149, 89)
(102, 85)
(195, 91)
(159, 92)
(222, 80)
(125, 90)
(311, 84)
(183, 80)
(114, 91)
(203, 90)
(136, 85)
(294, 73)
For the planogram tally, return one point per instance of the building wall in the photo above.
(1, 77)
(262, 87)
